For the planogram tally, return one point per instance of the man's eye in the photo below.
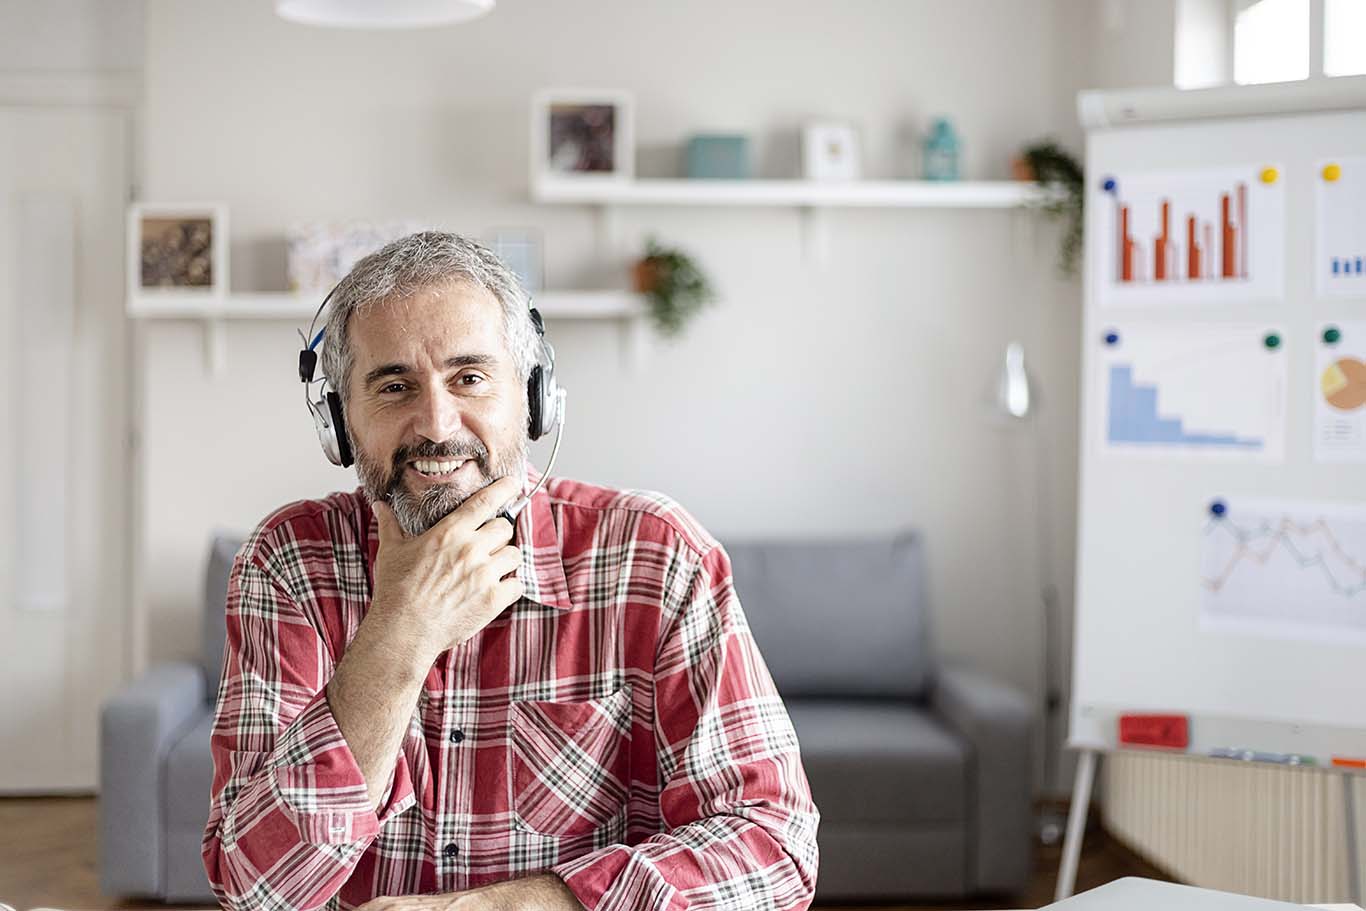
(469, 376)
(392, 386)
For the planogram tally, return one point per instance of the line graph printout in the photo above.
(1340, 249)
(1190, 236)
(1197, 391)
(1285, 568)
(1340, 392)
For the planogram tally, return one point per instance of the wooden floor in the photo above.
(49, 857)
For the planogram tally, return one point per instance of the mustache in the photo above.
(442, 451)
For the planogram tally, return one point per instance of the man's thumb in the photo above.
(388, 525)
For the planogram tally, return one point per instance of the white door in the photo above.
(64, 632)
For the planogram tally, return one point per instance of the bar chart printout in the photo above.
(1190, 236)
(1284, 568)
(1340, 248)
(1197, 392)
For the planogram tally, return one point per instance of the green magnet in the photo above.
(1272, 340)
(1332, 335)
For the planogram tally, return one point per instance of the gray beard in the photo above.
(418, 513)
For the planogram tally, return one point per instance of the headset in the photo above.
(545, 402)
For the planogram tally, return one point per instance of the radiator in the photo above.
(1252, 828)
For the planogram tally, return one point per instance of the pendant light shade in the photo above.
(381, 13)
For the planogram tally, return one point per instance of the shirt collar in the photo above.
(542, 569)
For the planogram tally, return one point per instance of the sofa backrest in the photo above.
(842, 617)
(838, 617)
(222, 549)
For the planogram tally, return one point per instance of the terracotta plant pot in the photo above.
(1020, 169)
(645, 276)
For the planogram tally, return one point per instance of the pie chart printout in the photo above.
(1340, 392)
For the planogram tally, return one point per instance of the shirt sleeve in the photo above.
(289, 813)
(742, 824)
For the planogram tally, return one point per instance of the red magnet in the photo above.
(1155, 730)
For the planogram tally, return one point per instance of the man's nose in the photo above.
(438, 416)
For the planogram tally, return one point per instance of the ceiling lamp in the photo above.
(381, 13)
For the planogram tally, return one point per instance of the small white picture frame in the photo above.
(582, 136)
(177, 250)
(830, 151)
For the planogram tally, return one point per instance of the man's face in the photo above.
(432, 383)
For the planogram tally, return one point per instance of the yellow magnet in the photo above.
(1332, 172)
(1270, 175)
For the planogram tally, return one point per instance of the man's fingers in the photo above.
(494, 533)
(484, 503)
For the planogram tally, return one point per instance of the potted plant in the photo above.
(675, 285)
(1049, 164)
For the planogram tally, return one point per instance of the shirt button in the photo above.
(451, 850)
(457, 735)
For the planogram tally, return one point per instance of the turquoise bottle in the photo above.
(941, 151)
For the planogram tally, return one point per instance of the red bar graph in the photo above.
(1193, 257)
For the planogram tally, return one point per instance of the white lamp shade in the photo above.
(381, 13)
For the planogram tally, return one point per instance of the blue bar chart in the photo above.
(1134, 417)
(1204, 391)
(1340, 191)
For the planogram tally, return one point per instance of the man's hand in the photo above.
(542, 892)
(438, 589)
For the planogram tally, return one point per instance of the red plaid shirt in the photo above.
(616, 727)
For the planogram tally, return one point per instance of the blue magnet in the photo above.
(1112, 338)
(1218, 508)
(1108, 185)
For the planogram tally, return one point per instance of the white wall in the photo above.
(843, 400)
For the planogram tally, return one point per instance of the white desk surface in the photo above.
(1325, 907)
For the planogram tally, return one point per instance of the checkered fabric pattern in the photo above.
(616, 727)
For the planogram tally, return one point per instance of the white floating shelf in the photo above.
(958, 194)
(287, 305)
(214, 312)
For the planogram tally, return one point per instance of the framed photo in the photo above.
(582, 136)
(178, 250)
(830, 151)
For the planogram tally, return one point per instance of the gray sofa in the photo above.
(921, 773)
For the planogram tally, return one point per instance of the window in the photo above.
(1249, 42)
(1270, 41)
(1344, 37)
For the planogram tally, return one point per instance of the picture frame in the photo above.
(582, 136)
(177, 250)
(830, 151)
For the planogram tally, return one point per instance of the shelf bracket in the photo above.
(815, 235)
(215, 345)
(608, 226)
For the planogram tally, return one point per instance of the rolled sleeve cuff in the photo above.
(618, 878)
(318, 780)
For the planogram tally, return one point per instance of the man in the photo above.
(412, 706)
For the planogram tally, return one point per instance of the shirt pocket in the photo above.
(570, 763)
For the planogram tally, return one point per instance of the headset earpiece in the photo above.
(334, 406)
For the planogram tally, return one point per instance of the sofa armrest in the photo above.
(997, 721)
(138, 726)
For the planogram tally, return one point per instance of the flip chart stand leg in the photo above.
(1076, 824)
(1353, 853)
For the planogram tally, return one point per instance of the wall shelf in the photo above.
(810, 198)
(959, 194)
(624, 307)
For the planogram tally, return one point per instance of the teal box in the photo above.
(718, 157)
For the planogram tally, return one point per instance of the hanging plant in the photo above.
(675, 285)
(1049, 164)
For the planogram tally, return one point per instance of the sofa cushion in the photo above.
(837, 618)
(189, 777)
(222, 550)
(880, 762)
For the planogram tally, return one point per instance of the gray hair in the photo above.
(416, 263)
